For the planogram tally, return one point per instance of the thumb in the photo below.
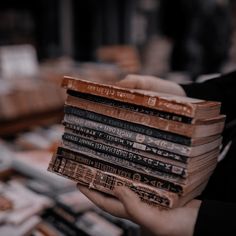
(130, 81)
(132, 203)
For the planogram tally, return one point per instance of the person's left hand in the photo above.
(172, 222)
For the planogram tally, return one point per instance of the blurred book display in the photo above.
(26, 97)
(126, 57)
(18, 61)
(36, 202)
(15, 103)
(162, 147)
(20, 208)
(32, 200)
(40, 138)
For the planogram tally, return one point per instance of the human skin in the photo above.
(151, 83)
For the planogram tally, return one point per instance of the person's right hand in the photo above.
(151, 83)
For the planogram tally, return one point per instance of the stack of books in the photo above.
(162, 147)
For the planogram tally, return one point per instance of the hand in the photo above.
(173, 222)
(151, 83)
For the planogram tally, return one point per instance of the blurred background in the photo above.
(41, 41)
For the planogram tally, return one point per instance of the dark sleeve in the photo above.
(221, 89)
(216, 218)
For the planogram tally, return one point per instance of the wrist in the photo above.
(181, 221)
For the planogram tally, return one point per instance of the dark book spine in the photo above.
(127, 125)
(140, 140)
(117, 170)
(131, 107)
(124, 163)
(142, 160)
(133, 146)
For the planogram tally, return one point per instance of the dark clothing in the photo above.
(221, 89)
(217, 212)
(216, 218)
(200, 31)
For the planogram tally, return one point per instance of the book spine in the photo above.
(131, 107)
(140, 140)
(124, 163)
(125, 172)
(132, 116)
(133, 146)
(127, 125)
(106, 182)
(129, 96)
(142, 160)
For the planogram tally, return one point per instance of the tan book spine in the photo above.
(106, 182)
(163, 102)
(188, 130)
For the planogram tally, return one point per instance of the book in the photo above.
(84, 173)
(138, 128)
(159, 180)
(130, 107)
(105, 182)
(132, 157)
(135, 147)
(185, 106)
(133, 127)
(116, 162)
(198, 128)
(140, 141)
(119, 162)
(152, 161)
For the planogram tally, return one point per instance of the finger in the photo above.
(130, 81)
(109, 204)
(194, 203)
(132, 203)
(140, 212)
